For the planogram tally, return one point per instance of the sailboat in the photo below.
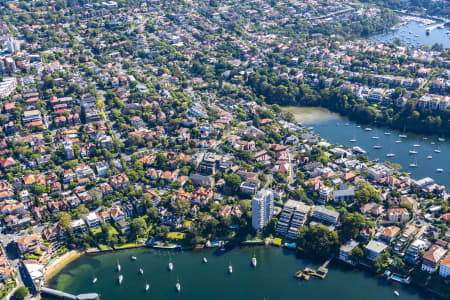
(147, 286)
(387, 133)
(396, 293)
(412, 152)
(441, 139)
(403, 136)
(141, 271)
(353, 140)
(375, 137)
(120, 279)
(414, 164)
(133, 257)
(390, 155)
(178, 286)
(230, 268)
(170, 266)
(254, 261)
(94, 280)
(429, 157)
(437, 150)
(118, 266)
(205, 260)
(398, 141)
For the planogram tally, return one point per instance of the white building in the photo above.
(92, 220)
(262, 208)
(322, 214)
(374, 249)
(7, 86)
(345, 252)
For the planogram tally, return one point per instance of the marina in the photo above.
(273, 278)
(433, 153)
(415, 31)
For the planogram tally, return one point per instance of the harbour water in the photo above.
(414, 34)
(271, 279)
(339, 130)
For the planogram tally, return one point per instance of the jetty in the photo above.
(60, 294)
(431, 28)
(322, 271)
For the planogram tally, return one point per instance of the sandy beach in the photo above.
(58, 263)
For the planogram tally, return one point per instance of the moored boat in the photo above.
(120, 278)
(178, 286)
(147, 286)
(205, 260)
(141, 271)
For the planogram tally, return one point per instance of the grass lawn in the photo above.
(104, 247)
(176, 235)
(277, 242)
(114, 231)
(124, 246)
(96, 231)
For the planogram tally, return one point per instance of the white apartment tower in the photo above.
(262, 208)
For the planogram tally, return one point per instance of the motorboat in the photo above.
(441, 139)
(141, 271)
(375, 137)
(398, 141)
(387, 133)
(368, 129)
(170, 266)
(396, 293)
(133, 257)
(437, 150)
(205, 260)
(390, 155)
(429, 157)
(118, 266)
(403, 136)
(416, 145)
(94, 280)
(147, 286)
(439, 170)
(120, 278)
(353, 140)
(230, 268)
(412, 152)
(377, 147)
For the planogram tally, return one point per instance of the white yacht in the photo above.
(412, 152)
(205, 260)
(230, 268)
(396, 293)
(353, 140)
(387, 133)
(390, 155)
(254, 261)
(439, 170)
(133, 257)
(429, 157)
(120, 278)
(416, 145)
(403, 136)
(368, 129)
(441, 139)
(437, 150)
(94, 280)
(398, 141)
(375, 137)
(170, 266)
(377, 147)
(147, 286)
(118, 266)
(178, 286)
(141, 271)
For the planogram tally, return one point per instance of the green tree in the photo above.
(181, 207)
(233, 181)
(351, 224)
(138, 226)
(317, 241)
(21, 293)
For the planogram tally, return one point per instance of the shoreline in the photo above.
(57, 264)
(61, 262)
